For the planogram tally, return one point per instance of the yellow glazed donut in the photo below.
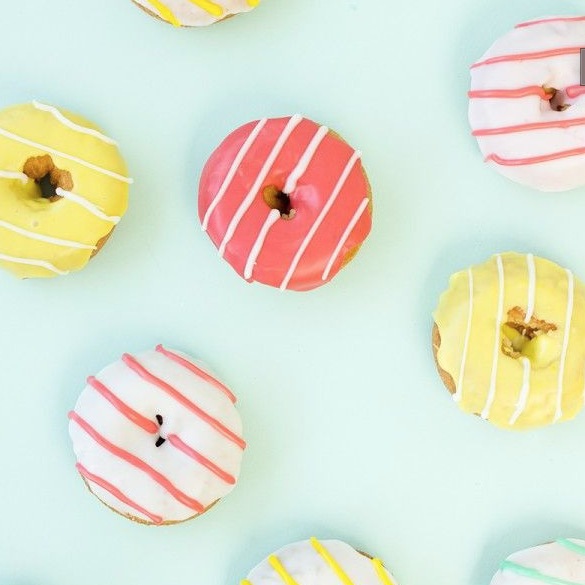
(509, 341)
(63, 188)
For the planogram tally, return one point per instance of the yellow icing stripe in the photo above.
(382, 574)
(277, 566)
(210, 7)
(331, 561)
(165, 12)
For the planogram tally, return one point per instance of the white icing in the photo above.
(91, 207)
(459, 393)
(14, 175)
(355, 218)
(272, 218)
(44, 238)
(555, 562)
(61, 118)
(557, 72)
(307, 240)
(248, 200)
(568, 319)
(186, 474)
(33, 262)
(524, 391)
(307, 567)
(492, 390)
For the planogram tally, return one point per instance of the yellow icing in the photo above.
(22, 205)
(282, 572)
(331, 561)
(550, 304)
(253, 2)
(381, 572)
(210, 7)
(165, 12)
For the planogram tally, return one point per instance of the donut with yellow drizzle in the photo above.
(195, 12)
(312, 562)
(63, 188)
(509, 341)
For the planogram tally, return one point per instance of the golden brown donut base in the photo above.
(445, 376)
(149, 12)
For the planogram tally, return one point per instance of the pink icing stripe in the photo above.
(511, 93)
(134, 365)
(574, 91)
(516, 162)
(148, 425)
(198, 371)
(533, 126)
(558, 19)
(116, 493)
(175, 441)
(527, 56)
(136, 462)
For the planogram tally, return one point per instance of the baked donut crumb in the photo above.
(43, 171)
(277, 199)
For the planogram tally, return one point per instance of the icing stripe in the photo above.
(134, 365)
(66, 122)
(356, 217)
(136, 462)
(305, 160)
(91, 207)
(514, 162)
(14, 175)
(531, 287)
(574, 91)
(545, 20)
(165, 12)
(331, 561)
(568, 319)
(70, 157)
(529, 56)
(282, 573)
(381, 572)
(524, 392)
(305, 243)
(511, 93)
(148, 425)
(571, 545)
(272, 218)
(534, 574)
(33, 262)
(197, 371)
(176, 442)
(528, 127)
(290, 126)
(232, 171)
(209, 7)
(116, 493)
(43, 238)
(459, 393)
(492, 390)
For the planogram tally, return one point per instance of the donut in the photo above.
(195, 12)
(63, 189)
(286, 201)
(509, 341)
(157, 437)
(311, 562)
(557, 563)
(527, 107)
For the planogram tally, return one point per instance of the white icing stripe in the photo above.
(33, 262)
(568, 318)
(531, 287)
(492, 390)
(70, 157)
(91, 207)
(524, 392)
(65, 121)
(14, 175)
(43, 238)
(291, 125)
(338, 187)
(459, 393)
(343, 239)
(272, 218)
(232, 171)
(305, 160)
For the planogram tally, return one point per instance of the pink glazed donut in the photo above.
(286, 202)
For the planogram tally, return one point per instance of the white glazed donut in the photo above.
(527, 107)
(157, 438)
(311, 562)
(556, 563)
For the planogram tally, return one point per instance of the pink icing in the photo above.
(313, 189)
(557, 19)
(574, 91)
(568, 123)
(511, 93)
(527, 56)
(514, 162)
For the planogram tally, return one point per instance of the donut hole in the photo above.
(557, 101)
(277, 199)
(159, 440)
(47, 176)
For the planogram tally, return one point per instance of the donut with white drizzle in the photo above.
(286, 201)
(527, 107)
(157, 437)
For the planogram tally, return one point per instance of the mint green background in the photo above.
(350, 431)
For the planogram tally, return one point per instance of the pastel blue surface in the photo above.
(351, 433)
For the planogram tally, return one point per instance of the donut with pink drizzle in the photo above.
(527, 107)
(286, 201)
(157, 437)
